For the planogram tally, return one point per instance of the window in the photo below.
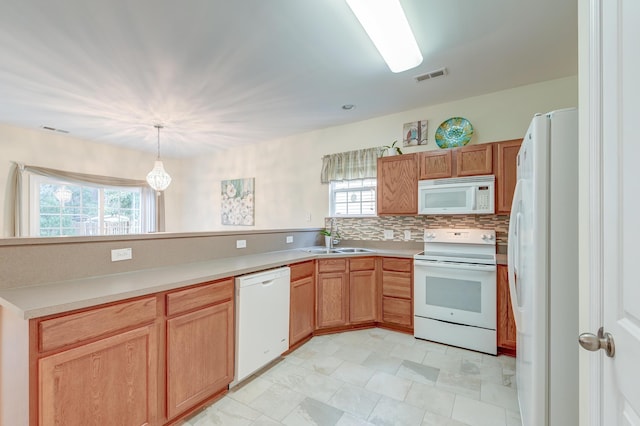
(355, 197)
(60, 208)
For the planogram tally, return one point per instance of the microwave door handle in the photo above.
(473, 197)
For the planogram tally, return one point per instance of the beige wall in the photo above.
(288, 189)
(287, 171)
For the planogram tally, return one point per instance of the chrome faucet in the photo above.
(334, 238)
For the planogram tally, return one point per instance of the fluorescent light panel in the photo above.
(388, 28)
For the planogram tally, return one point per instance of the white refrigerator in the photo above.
(543, 270)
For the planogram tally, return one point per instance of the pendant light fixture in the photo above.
(157, 178)
(388, 28)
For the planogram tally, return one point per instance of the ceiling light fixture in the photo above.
(388, 28)
(157, 178)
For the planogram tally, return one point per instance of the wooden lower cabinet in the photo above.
(133, 362)
(397, 293)
(333, 294)
(199, 356)
(302, 302)
(112, 381)
(346, 292)
(397, 311)
(362, 296)
(506, 323)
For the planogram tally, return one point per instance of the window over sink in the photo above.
(355, 197)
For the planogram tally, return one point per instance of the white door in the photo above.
(614, 120)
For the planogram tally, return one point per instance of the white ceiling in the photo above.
(218, 73)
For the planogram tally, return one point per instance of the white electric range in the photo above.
(455, 289)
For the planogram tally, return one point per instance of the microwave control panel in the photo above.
(483, 198)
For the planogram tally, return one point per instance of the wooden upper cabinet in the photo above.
(467, 161)
(398, 185)
(435, 164)
(474, 160)
(506, 156)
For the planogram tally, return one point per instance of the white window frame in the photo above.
(147, 209)
(368, 184)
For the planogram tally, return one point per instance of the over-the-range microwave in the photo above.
(464, 195)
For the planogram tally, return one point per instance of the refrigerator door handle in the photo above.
(513, 254)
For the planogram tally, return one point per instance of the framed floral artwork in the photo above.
(237, 202)
(414, 133)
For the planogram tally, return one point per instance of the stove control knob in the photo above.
(487, 237)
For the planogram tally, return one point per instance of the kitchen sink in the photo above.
(353, 250)
(321, 250)
(337, 250)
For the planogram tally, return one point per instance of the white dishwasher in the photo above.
(262, 320)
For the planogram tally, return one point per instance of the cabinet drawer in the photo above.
(195, 297)
(332, 265)
(302, 270)
(396, 284)
(362, 264)
(396, 264)
(69, 329)
(397, 311)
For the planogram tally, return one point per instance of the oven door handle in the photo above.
(459, 266)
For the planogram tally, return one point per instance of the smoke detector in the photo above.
(432, 74)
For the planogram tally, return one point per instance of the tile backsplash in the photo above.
(372, 228)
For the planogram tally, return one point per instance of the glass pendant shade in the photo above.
(158, 178)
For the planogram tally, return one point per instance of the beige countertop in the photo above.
(56, 297)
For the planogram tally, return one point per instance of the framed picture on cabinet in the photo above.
(414, 133)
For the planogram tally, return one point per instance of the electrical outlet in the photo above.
(289, 239)
(388, 234)
(121, 254)
(407, 235)
(241, 243)
(308, 217)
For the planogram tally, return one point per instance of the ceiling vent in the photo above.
(53, 129)
(433, 74)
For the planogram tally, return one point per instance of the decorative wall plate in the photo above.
(454, 132)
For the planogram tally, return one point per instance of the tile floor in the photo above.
(373, 377)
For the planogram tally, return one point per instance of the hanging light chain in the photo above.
(158, 126)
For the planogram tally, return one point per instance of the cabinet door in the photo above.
(474, 160)
(302, 309)
(506, 173)
(199, 356)
(397, 311)
(396, 284)
(362, 296)
(332, 296)
(112, 381)
(435, 164)
(397, 185)
(506, 324)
